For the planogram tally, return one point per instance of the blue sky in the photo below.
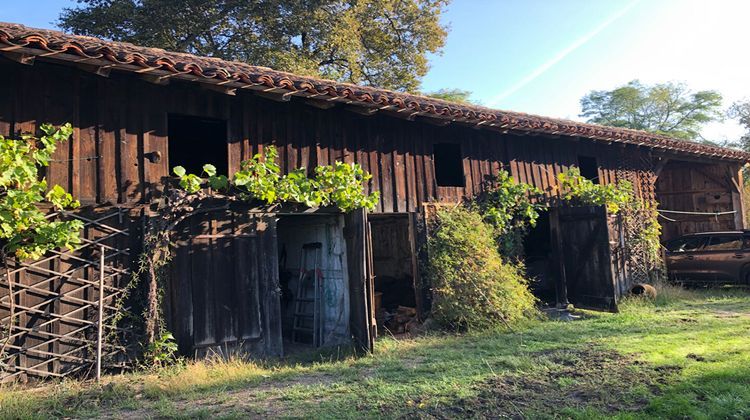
(541, 56)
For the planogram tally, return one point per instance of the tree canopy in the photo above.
(665, 108)
(454, 95)
(740, 111)
(377, 42)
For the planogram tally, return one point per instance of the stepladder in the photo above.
(307, 320)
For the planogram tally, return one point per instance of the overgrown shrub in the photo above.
(472, 286)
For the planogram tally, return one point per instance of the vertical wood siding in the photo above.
(121, 120)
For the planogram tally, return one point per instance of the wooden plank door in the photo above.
(358, 251)
(588, 265)
(224, 285)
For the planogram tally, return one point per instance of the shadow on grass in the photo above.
(438, 370)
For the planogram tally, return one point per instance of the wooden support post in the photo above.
(561, 285)
(99, 326)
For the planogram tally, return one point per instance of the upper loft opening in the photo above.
(589, 168)
(449, 168)
(195, 141)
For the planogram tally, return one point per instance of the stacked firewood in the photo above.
(402, 320)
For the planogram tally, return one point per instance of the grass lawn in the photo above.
(685, 356)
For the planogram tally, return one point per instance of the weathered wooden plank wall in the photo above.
(693, 187)
(222, 291)
(121, 120)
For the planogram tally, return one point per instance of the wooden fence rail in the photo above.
(53, 330)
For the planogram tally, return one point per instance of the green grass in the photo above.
(686, 355)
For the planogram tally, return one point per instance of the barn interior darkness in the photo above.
(537, 248)
(393, 266)
(589, 168)
(195, 141)
(313, 281)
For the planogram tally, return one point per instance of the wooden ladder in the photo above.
(307, 319)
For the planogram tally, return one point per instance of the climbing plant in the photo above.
(260, 178)
(473, 287)
(510, 207)
(639, 216)
(581, 191)
(26, 231)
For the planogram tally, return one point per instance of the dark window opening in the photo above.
(589, 168)
(195, 141)
(449, 168)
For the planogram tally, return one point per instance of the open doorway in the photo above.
(195, 141)
(314, 282)
(537, 247)
(394, 269)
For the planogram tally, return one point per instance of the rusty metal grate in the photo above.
(53, 332)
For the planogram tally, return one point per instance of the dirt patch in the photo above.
(696, 357)
(730, 314)
(594, 378)
(256, 399)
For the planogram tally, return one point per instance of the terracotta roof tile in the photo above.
(214, 70)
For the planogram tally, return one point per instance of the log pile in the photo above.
(400, 321)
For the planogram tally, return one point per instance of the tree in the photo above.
(740, 111)
(377, 42)
(453, 95)
(666, 108)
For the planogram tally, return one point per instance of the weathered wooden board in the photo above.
(121, 121)
(223, 285)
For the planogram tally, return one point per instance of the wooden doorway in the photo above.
(222, 294)
(581, 238)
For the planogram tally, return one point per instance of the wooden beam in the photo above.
(102, 71)
(275, 96)
(660, 166)
(221, 89)
(725, 182)
(156, 80)
(440, 122)
(561, 284)
(18, 57)
(402, 115)
(320, 104)
(362, 110)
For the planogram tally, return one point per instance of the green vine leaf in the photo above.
(220, 182)
(25, 229)
(510, 207)
(179, 171)
(209, 169)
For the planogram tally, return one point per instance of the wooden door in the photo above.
(361, 287)
(223, 293)
(586, 256)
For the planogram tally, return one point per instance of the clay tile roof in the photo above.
(57, 45)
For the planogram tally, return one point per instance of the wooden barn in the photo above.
(234, 280)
